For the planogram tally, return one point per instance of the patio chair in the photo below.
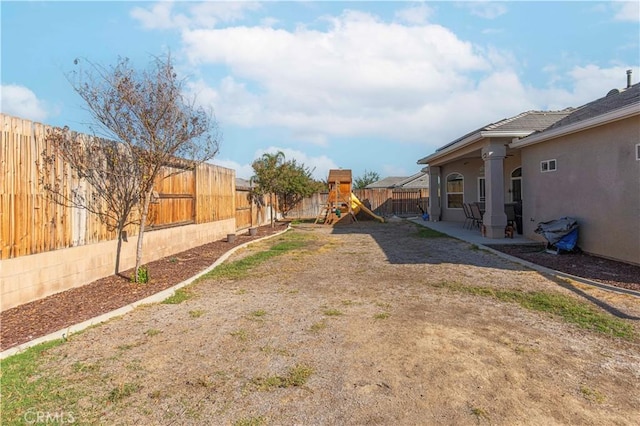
(468, 216)
(476, 214)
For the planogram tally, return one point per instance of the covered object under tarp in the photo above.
(562, 234)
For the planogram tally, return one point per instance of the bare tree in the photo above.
(106, 184)
(154, 125)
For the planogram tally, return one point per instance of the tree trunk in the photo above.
(118, 248)
(143, 223)
(271, 207)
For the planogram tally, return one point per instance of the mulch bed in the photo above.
(582, 265)
(41, 317)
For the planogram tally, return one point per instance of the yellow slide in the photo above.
(356, 206)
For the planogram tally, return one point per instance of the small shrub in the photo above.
(143, 275)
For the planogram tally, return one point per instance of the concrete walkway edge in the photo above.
(537, 267)
(156, 298)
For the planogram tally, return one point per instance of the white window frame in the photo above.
(548, 165)
(482, 189)
(446, 186)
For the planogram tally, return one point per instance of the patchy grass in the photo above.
(24, 387)
(569, 309)
(196, 313)
(424, 232)
(122, 391)
(382, 315)
(480, 413)
(242, 334)
(592, 395)
(251, 421)
(332, 312)
(240, 268)
(179, 296)
(318, 326)
(296, 376)
(259, 313)
(152, 332)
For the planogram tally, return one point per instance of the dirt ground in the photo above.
(362, 310)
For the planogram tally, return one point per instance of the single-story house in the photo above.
(580, 162)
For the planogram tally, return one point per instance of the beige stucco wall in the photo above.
(29, 278)
(471, 168)
(597, 181)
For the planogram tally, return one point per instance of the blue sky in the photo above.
(356, 85)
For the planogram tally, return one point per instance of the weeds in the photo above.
(197, 313)
(592, 395)
(259, 313)
(122, 391)
(318, 326)
(479, 413)
(143, 275)
(152, 332)
(251, 421)
(332, 312)
(296, 376)
(242, 334)
(571, 310)
(382, 315)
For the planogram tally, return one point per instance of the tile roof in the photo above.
(615, 99)
(529, 121)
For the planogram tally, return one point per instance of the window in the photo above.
(455, 191)
(481, 190)
(516, 185)
(638, 151)
(548, 166)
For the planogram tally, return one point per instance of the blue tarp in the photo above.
(561, 234)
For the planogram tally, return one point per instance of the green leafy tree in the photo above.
(367, 178)
(155, 126)
(295, 184)
(266, 177)
(288, 180)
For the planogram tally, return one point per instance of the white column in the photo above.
(434, 194)
(494, 218)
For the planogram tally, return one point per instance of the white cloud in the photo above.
(162, 15)
(626, 10)
(588, 83)
(320, 165)
(418, 14)
(22, 102)
(486, 9)
(359, 77)
(159, 16)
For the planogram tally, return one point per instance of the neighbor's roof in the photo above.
(518, 126)
(418, 180)
(388, 182)
(618, 104)
(242, 183)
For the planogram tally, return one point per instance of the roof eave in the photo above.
(609, 117)
(475, 138)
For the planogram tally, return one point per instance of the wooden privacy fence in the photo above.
(30, 223)
(400, 202)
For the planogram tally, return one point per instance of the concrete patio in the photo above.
(472, 236)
